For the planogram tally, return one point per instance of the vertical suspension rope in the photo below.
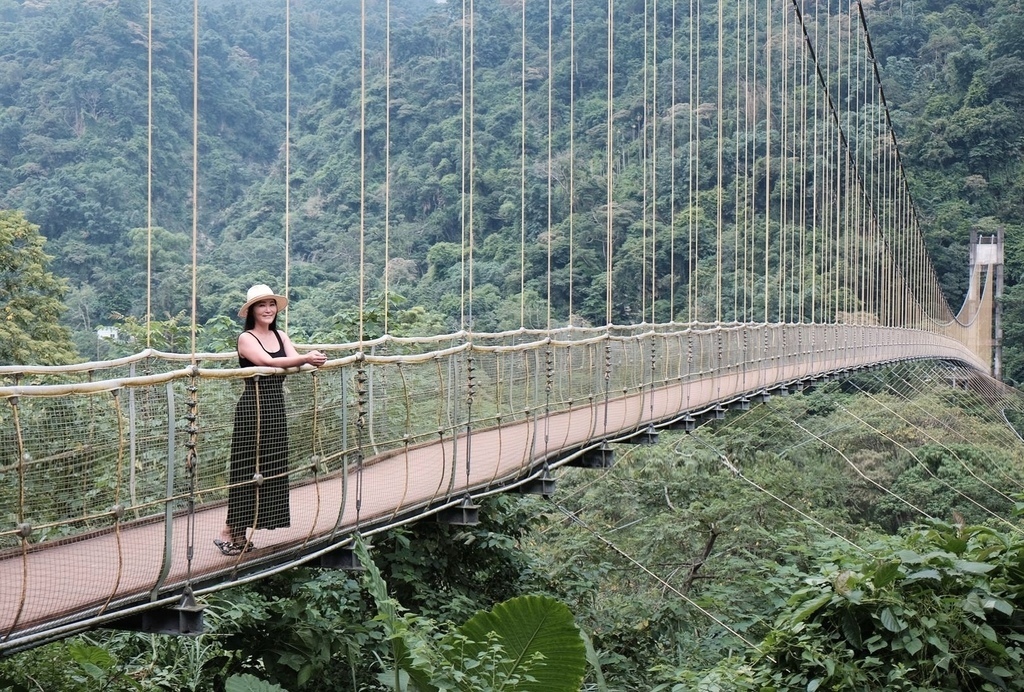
(643, 165)
(864, 224)
(837, 173)
(865, 217)
(856, 73)
(767, 155)
(871, 246)
(652, 122)
(550, 154)
(361, 378)
(850, 178)
(736, 135)
(783, 175)
(192, 417)
(387, 164)
(693, 162)
(149, 176)
(793, 168)
(875, 199)
(471, 163)
(462, 196)
(828, 174)
(572, 152)
(362, 172)
(195, 168)
(720, 153)
(672, 180)
(287, 151)
(609, 144)
(749, 122)
(891, 235)
(816, 161)
(802, 167)
(871, 253)
(884, 236)
(796, 163)
(522, 170)
(856, 202)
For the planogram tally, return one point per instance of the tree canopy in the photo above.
(74, 147)
(31, 298)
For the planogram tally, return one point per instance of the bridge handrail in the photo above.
(603, 334)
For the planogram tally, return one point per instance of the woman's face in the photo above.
(264, 310)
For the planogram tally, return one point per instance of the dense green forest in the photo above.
(74, 153)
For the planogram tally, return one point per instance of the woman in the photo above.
(258, 495)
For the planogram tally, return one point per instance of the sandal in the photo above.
(230, 548)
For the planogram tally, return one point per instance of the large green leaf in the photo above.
(250, 683)
(525, 626)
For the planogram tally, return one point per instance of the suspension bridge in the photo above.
(804, 261)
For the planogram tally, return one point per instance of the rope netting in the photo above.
(777, 242)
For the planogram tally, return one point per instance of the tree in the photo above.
(31, 298)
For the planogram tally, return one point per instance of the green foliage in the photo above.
(78, 664)
(678, 510)
(939, 480)
(450, 573)
(30, 298)
(741, 547)
(250, 683)
(529, 642)
(313, 630)
(959, 121)
(301, 631)
(74, 156)
(378, 312)
(933, 608)
(133, 335)
(539, 639)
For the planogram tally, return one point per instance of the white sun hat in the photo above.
(261, 292)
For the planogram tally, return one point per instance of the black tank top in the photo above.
(279, 353)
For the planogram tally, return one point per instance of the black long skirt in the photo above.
(258, 496)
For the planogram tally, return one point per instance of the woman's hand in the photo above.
(316, 358)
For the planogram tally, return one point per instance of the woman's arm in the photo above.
(251, 349)
(315, 358)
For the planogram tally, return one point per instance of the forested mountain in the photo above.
(74, 124)
(74, 150)
(954, 76)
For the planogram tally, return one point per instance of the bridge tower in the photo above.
(987, 253)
